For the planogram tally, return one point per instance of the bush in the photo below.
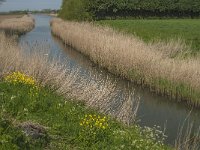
(102, 9)
(75, 10)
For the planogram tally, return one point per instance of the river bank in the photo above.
(9, 16)
(17, 24)
(64, 124)
(150, 65)
(29, 83)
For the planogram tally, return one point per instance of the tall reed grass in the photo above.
(18, 25)
(151, 65)
(61, 79)
(188, 138)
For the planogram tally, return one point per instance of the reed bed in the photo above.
(18, 25)
(62, 80)
(188, 138)
(9, 16)
(152, 65)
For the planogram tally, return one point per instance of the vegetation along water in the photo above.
(34, 86)
(126, 39)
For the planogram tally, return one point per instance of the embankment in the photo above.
(150, 65)
(28, 83)
(61, 79)
(17, 25)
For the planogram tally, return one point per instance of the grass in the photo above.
(18, 25)
(154, 30)
(43, 114)
(45, 120)
(150, 64)
(9, 16)
(68, 82)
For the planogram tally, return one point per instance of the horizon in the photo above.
(32, 5)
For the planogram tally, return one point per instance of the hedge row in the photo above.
(100, 9)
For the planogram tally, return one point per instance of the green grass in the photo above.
(61, 118)
(151, 30)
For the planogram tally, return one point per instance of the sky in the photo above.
(11, 5)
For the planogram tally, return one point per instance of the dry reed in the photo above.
(150, 64)
(18, 25)
(99, 94)
(187, 138)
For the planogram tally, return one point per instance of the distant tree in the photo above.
(100, 9)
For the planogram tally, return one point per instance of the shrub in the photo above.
(75, 10)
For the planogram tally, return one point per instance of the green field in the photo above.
(151, 30)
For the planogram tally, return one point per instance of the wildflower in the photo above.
(13, 97)
(18, 77)
(93, 128)
(25, 109)
(94, 122)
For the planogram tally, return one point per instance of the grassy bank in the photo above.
(44, 105)
(155, 30)
(152, 65)
(10, 16)
(18, 25)
(33, 117)
(63, 80)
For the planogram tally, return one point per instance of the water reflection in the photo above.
(153, 110)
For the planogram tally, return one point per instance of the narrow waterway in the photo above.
(153, 110)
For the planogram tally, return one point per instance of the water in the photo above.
(12, 5)
(153, 110)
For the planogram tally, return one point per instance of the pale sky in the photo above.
(11, 5)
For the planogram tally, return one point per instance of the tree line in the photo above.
(101, 9)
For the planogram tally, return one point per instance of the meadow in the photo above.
(163, 29)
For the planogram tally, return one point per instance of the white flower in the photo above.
(25, 109)
(13, 97)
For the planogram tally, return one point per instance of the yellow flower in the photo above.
(94, 122)
(18, 77)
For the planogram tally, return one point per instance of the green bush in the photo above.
(102, 9)
(75, 10)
